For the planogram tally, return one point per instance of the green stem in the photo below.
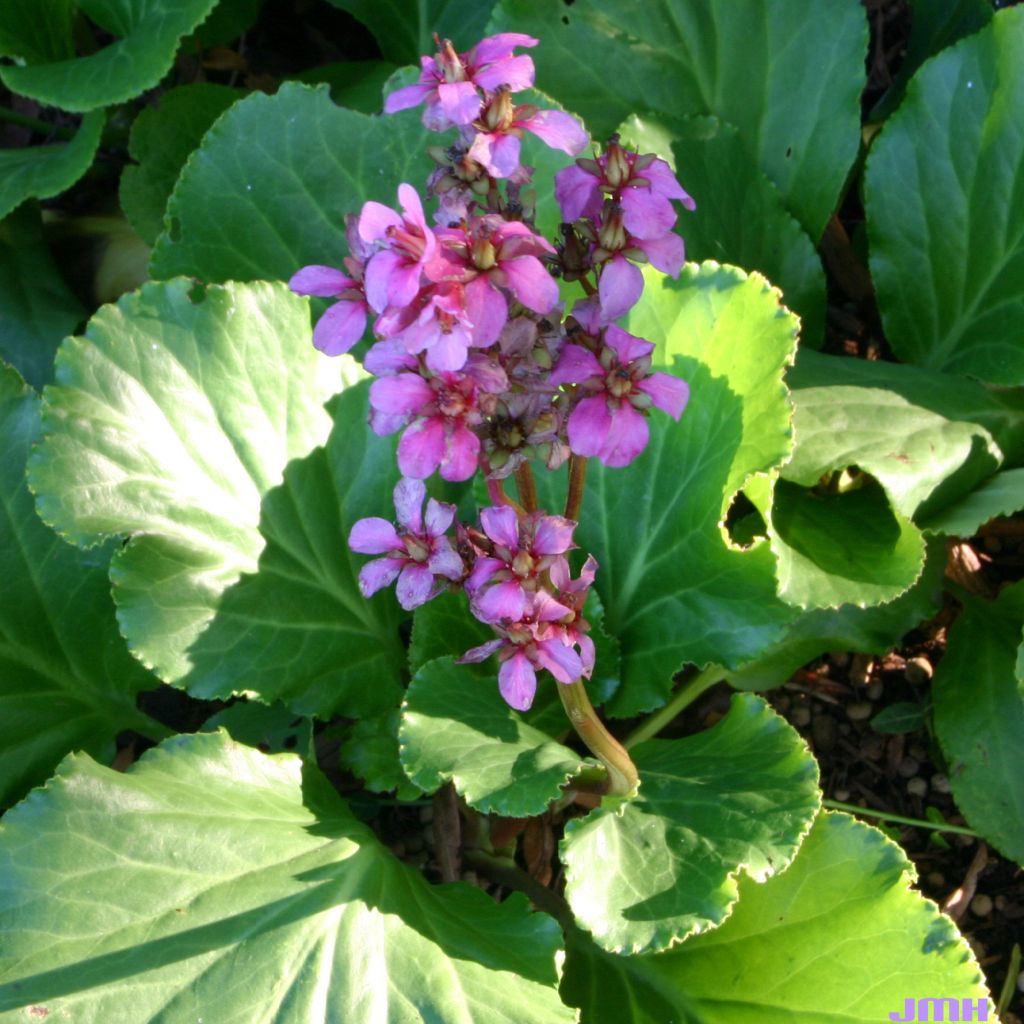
(898, 819)
(685, 696)
(622, 774)
(577, 479)
(42, 127)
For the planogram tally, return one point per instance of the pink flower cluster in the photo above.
(476, 362)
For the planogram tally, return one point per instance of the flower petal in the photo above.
(421, 448)
(531, 284)
(553, 535)
(561, 661)
(481, 653)
(409, 495)
(496, 152)
(483, 569)
(506, 600)
(662, 180)
(381, 572)
(544, 608)
(628, 347)
(646, 214)
(578, 193)
(667, 253)
(439, 517)
(461, 454)
(460, 101)
(317, 279)
(515, 72)
(627, 438)
(499, 46)
(408, 96)
(445, 561)
(575, 365)
(416, 586)
(589, 424)
(340, 327)
(449, 350)
(558, 130)
(517, 682)
(501, 524)
(374, 536)
(487, 311)
(620, 286)
(668, 393)
(405, 394)
(379, 273)
(375, 219)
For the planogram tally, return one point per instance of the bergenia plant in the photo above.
(472, 335)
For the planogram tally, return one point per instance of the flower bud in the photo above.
(617, 171)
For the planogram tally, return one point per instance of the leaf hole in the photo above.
(197, 293)
(744, 524)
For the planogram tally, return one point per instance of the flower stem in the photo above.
(526, 486)
(38, 126)
(577, 478)
(898, 819)
(496, 492)
(622, 774)
(685, 696)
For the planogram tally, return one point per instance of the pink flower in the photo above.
(520, 551)
(489, 256)
(344, 323)
(418, 555)
(450, 82)
(522, 651)
(407, 244)
(618, 387)
(442, 411)
(643, 186)
(497, 148)
(435, 322)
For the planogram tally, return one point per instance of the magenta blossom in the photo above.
(618, 387)
(344, 323)
(525, 646)
(407, 244)
(435, 322)
(450, 83)
(496, 148)
(418, 555)
(489, 255)
(442, 410)
(643, 186)
(521, 550)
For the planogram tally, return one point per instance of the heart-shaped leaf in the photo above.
(737, 799)
(213, 882)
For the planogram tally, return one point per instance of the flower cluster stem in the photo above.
(577, 478)
(622, 774)
(527, 487)
(685, 696)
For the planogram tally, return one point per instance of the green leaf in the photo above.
(999, 495)
(45, 171)
(170, 420)
(227, 21)
(736, 799)
(455, 726)
(356, 84)
(840, 936)
(297, 629)
(370, 751)
(271, 728)
(66, 679)
(934, 25)
(799, 120)
(36, 306)
(161, 140)
(741, 217)
(404, 30)
(673, 589)
(902, 717)
(841, 542)
(945, 222)
(150, 31)
(979, 717)
(266, 193)
(37, 32)
(847, 628)
(213, 882)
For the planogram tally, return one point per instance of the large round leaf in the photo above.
(840, 936)
(66, 679)
(268, 190)
(212, 882)
(945, 217)
(743, 61)
(736, 799)
(170, 420)
(148, 33)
